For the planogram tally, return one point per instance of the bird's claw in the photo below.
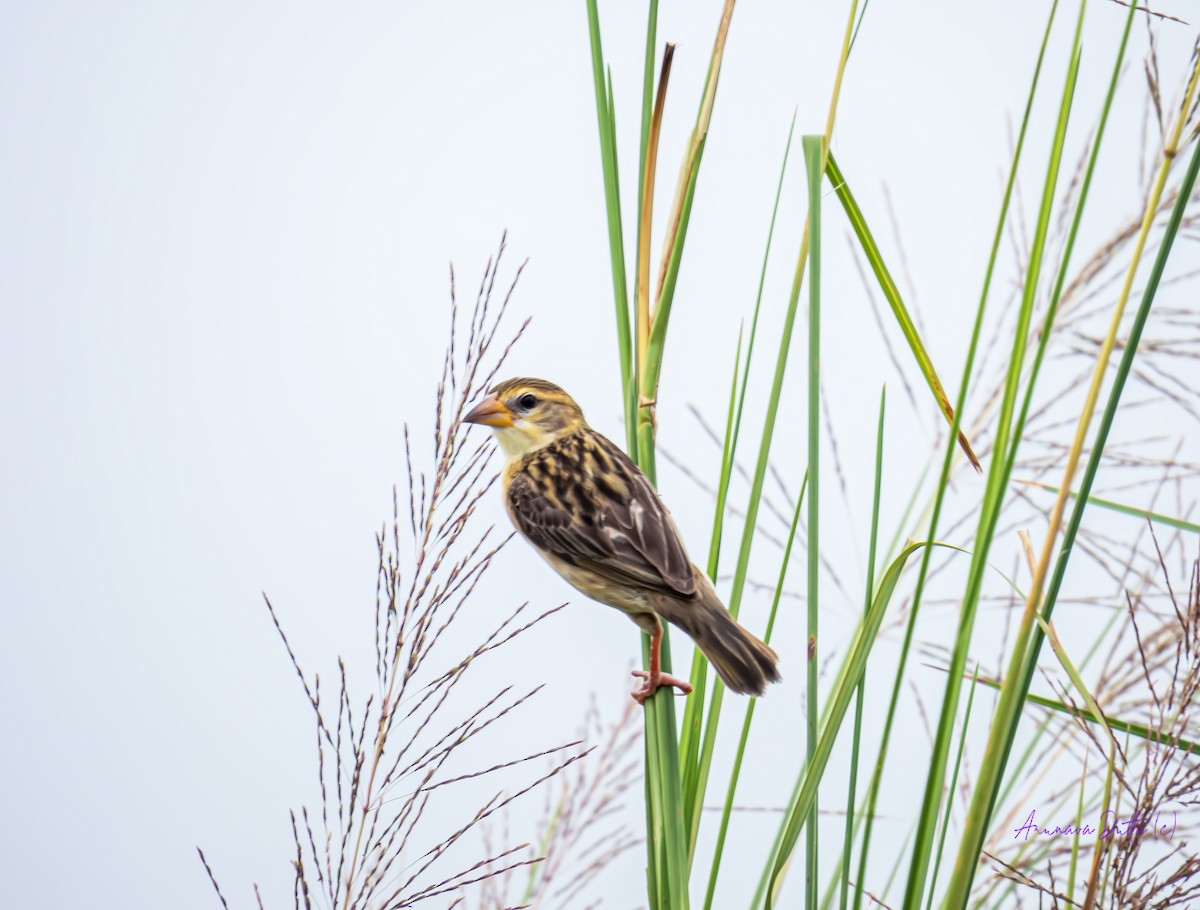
(654, 681)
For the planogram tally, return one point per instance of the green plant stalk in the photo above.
(782, 859)
(1064, 262)
(752, 505)
(666, 841)
(1052, 308)
(853, 667)
(696, 777)
(764, 879)
(848, 841)
(650, 368)
(689, 741)
(671, 850)
(1130, 350)
(677, 225)
(989, 516)
(814, 158)
(612, 201)
(834, 884)
(835, 880)
(728, 462)
(667, 850)
(735, 774)
(943, 481)
(858, 24)
(652, 112)
(1027, 644)
(655, 853)
(663, 822)
(962, 741)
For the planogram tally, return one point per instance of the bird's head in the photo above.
(526, 414)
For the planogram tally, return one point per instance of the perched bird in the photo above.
(593, 515)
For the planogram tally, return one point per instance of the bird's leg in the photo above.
(654, 677)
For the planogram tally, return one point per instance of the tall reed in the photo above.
(987, 428)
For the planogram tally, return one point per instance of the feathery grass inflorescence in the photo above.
(582, 832)
(385, 834)
(1144, 835)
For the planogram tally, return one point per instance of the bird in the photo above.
(592, 514)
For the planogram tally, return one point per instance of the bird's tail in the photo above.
(740, 659)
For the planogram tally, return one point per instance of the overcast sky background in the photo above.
(224, 238)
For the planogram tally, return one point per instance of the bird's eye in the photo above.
(527, 401)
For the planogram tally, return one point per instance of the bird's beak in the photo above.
(490, 412)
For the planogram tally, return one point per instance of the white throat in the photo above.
(518, 441)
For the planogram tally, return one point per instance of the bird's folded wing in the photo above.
(611, 523)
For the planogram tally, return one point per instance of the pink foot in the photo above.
(654, 681)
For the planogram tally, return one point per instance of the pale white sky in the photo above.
(224, 237)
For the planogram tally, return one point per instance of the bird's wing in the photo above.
(582, 500)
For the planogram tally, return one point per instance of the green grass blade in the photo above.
(947, 461)
(989, 515)
(814, 160)
(886, 284)
(1065, 259)
(1154, 517)
(612, 203)
(727, 465)
(1141, 731)
(857, 25)
(1051, 311)
(1071, 530)
(657, 884)
(693, 712)
(666, 845)
(754, 500)
(735, 774)
(1028, 640)
(962, 741)
(853, 667)
(887, 887)
(693, 794)
(677, 225)
(768, 872)
(848, 841)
